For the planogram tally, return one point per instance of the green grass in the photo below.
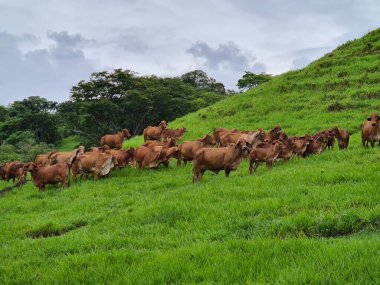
(310, 221)
(68, 143)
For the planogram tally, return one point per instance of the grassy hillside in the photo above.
(314, 220)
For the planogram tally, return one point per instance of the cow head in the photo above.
(243, 145)
(172, 142)
(31, 167)
(163, 124)
(126, 133)
(374, 119)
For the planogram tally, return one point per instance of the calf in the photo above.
(216, 159)
(49, 174)
(148, 157)
(371, 131)
(342, 136)
(264, 154)
(187, 149)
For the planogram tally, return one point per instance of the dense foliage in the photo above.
(109, 102)
(106, 103)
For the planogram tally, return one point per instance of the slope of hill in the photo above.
(314, 220)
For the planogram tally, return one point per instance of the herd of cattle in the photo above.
(223, 150)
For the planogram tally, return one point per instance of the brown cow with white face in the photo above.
(187, 149)
(154, 133)
(115, 140)
(49, 174)
(216, 159)
(371, 130)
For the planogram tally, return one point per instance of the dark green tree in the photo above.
(250, 80)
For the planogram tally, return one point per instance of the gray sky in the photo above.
(46, 47)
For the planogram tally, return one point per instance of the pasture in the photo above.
(313, 220)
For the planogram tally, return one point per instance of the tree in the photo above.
(250, 80)
(199, 79)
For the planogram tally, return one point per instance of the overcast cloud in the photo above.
(46, 47)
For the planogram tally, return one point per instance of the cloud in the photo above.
(47, 72)
(224, 56)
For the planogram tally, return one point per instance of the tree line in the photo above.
(106, 103)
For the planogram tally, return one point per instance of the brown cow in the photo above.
(216, 159)
(187, 149)
(219, 132)
(49, 174)
(264, 154)
(148, 157)
(115, 140)
(330, 139)
(166, 154)
(316, 146)
(233, 137)
(123, 157)
(286, 149)
(154, 133)
(13, 170)
(300, 145)
(152, 143)
(342, 136)
(176, 134)
(98, 163)
(44, 159)
(273, 134)
(67, 157)
(371, 130)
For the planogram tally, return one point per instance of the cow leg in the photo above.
(372, 145)
(256, 165)
(227, 171)
(96, 175)
(250, 166)
(179, 160)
